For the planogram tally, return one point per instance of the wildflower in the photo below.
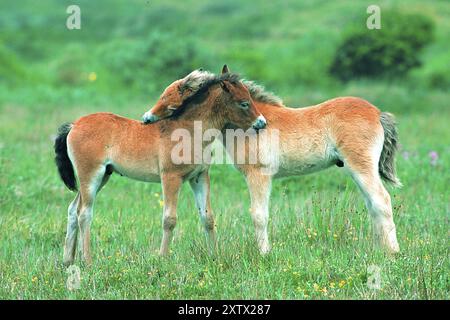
(434, 156)
(324, 290)
(161, 203)
(316, 287)
(332, 285)
(405, 155)
(156, 194)
(341, 283)
(92, 76)
(34, 279)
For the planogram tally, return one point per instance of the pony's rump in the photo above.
(386, 165)
(62, 159)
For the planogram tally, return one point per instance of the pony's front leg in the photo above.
(200, 187)
(171, 184)
(259, 185)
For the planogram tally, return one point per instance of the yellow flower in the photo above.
(34, 279)
(324, 290)
(92, 76)
(161, 203)
(316, 287)
(341, 283)
(332, 284)
(156, 194)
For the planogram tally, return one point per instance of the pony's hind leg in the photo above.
(72, 230)
(378, 202)
(362, 163)
(200, 187)
(90, 184)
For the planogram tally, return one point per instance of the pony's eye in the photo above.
(244, 104)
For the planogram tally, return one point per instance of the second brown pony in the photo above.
(345, 131)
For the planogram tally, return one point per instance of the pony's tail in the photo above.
(386, 166)
(62, 159)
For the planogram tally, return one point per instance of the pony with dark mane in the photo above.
(97, 145)
(347, 131)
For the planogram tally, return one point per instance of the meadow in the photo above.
(319, 228)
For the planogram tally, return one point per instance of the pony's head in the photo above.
(174, 95)
(235, 104)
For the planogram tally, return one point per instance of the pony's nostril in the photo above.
(149, 118)
(260, 122)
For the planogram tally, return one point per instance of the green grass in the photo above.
(319, 228)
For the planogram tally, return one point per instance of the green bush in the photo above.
(390, 51)
(439, 80)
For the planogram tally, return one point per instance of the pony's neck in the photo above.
(270, 110)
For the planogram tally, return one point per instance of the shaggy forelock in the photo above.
(196, 80)
(199, 80)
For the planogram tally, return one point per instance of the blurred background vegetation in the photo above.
(305, 51)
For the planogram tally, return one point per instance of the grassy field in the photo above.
(319, 227)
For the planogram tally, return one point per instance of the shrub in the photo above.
(390, 51)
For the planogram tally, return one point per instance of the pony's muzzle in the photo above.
(149, 117)
(260, 123)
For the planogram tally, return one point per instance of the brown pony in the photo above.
(96, 145)
(347, 131)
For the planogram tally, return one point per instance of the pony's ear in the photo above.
(225, 69)
(225, 85)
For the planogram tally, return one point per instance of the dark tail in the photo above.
(62, 160)
(386, 165)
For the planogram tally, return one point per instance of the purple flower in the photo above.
(434, 156)
(405, 155)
